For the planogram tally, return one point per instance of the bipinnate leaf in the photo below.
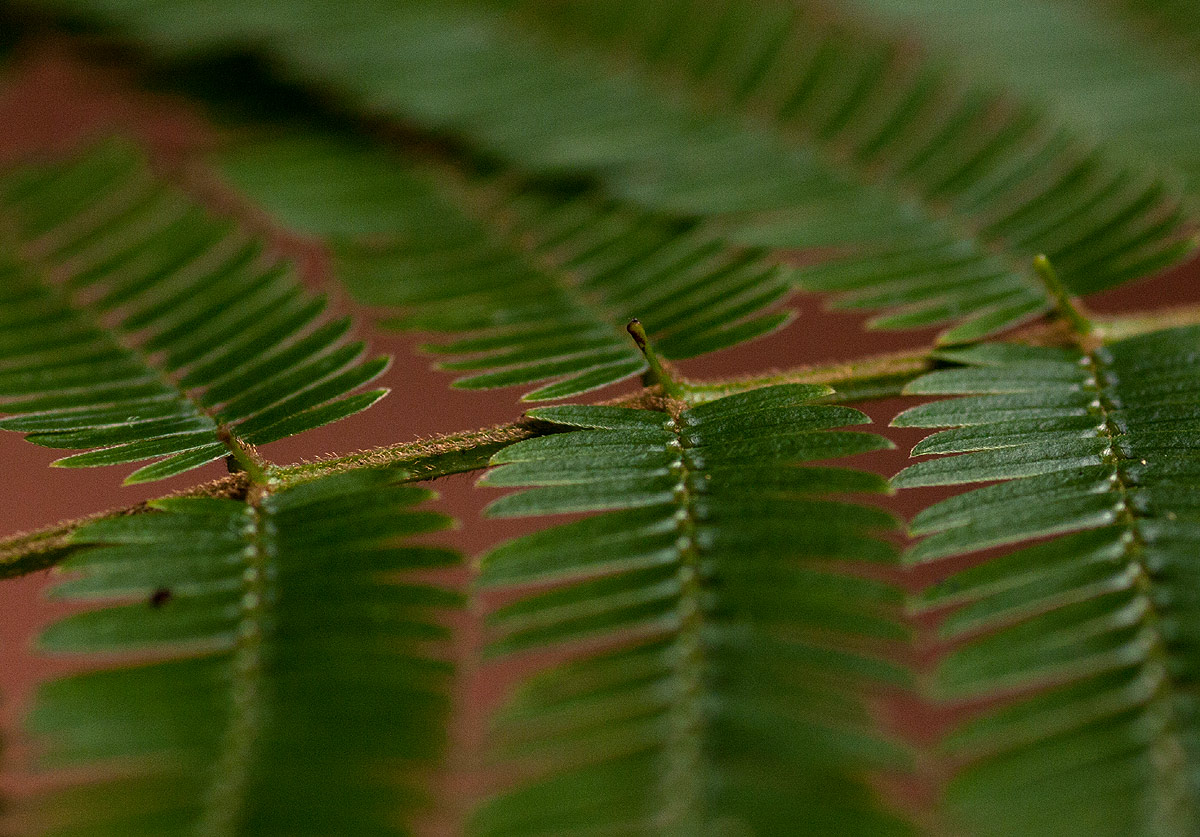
(533, 289)
(135, 325)
(1087, 630)
(925, 195)
(297, 687)
(728, 648)
(1112, 68)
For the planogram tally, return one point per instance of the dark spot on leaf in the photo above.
(160, 597)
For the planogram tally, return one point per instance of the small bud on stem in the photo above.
(1066, 306)
(244, 456)
(657, 374)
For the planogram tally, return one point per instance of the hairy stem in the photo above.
(439, 456)
(875, 377)
(27, 552)
(881, 376)
(1142, 322)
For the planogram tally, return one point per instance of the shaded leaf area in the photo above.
(951, 188)
(32, 557)
(727, 694)
(298, 691)
(1091, 629)
(1174, 24)
(1088, 60)
(787, 131)
(538, 289)
(135, 324)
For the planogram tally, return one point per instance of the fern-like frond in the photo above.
(139, 326)
(726, 695)
(297, 693)
(928, 197)
(1085, 60)
(1090, 632)
(538, 289)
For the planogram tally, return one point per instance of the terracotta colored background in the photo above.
(51, 100)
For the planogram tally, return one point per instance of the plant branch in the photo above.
(422, 459)
(27, 552)
(880, 376)
(884, 375)
(1142, 322)
(874, 377)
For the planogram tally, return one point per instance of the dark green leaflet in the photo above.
(298, 684)
(533, 289)
(1175, 21)
(1091, 632)
(934, 196)
(779, 128)
(711, 574)
(1084, 59)
(136, 324)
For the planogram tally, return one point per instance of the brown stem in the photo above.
(872, 377)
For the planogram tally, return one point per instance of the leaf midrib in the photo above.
(1172, 803)
(682, 786)
(228, 793)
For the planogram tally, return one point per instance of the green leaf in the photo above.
(719, 602)
(140, 325)
(294, 689)
(1078, 645)
(1106, 72)
(538, 289)
(768, 122)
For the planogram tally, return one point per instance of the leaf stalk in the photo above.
(658, 373)
(1067, 307)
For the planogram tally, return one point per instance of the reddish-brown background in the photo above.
(52, 100)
